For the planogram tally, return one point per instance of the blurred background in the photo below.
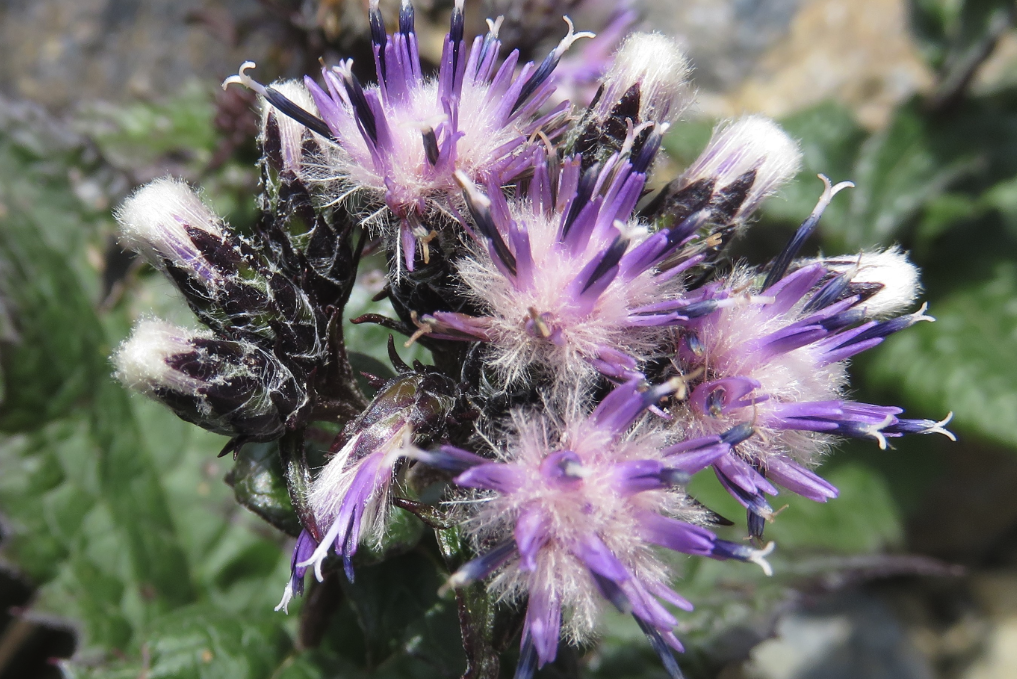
(125, 554)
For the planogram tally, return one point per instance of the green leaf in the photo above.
(864, 518)
(50, 356)
(829, 137)
(951, 33)
(398, 608)
(131, 488)
(963, 362)
(200, 642)
(898, 170)
(136, 135)
(1003, 198)
(258, 483)
(686, 141)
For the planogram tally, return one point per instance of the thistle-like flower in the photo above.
(350, 498)
(574, 509)
(551, 296)
(228, 387)
(771, 360)
(402, 140)
(567, 278)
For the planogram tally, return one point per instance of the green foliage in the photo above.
(257, 480)
(863, 519)
(964, 361)
(950, 34)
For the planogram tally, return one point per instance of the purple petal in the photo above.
(797, 479)
(676, 535)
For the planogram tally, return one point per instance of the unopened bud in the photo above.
(169, 225)
(651, 70)
(231, 388)
(643, 92)
(745, 161)
(887, 281)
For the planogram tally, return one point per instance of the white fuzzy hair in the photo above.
(749, 143)
(152, 221)
(291, 133)
(656, 62)
(791, 377)
(141, 359)
(891, 268)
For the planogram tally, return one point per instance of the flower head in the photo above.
(402, 140)
(770, 361)
(349, 498)
(574, 510)
(568, 279)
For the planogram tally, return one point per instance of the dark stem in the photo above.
(955, 78)
(476, 614)
(320, 605)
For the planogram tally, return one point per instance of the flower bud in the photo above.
(644, 91)
(648, 81)
(745, 161)
(284, 139)
(231, 388)
(886, 281)
(169, 225)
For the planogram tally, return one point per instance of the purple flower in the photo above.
(402, 140)
(770, 359)
(575, 510)
(302, 551)
(350, 498)
(566, 276)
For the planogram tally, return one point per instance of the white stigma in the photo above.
(284, 604)
(876, 431)
(570, 38)
(758, 557)
(241, 78)
(940, 427)
(920, 315)
(494, 26)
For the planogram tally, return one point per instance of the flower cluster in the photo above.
(592, 347)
